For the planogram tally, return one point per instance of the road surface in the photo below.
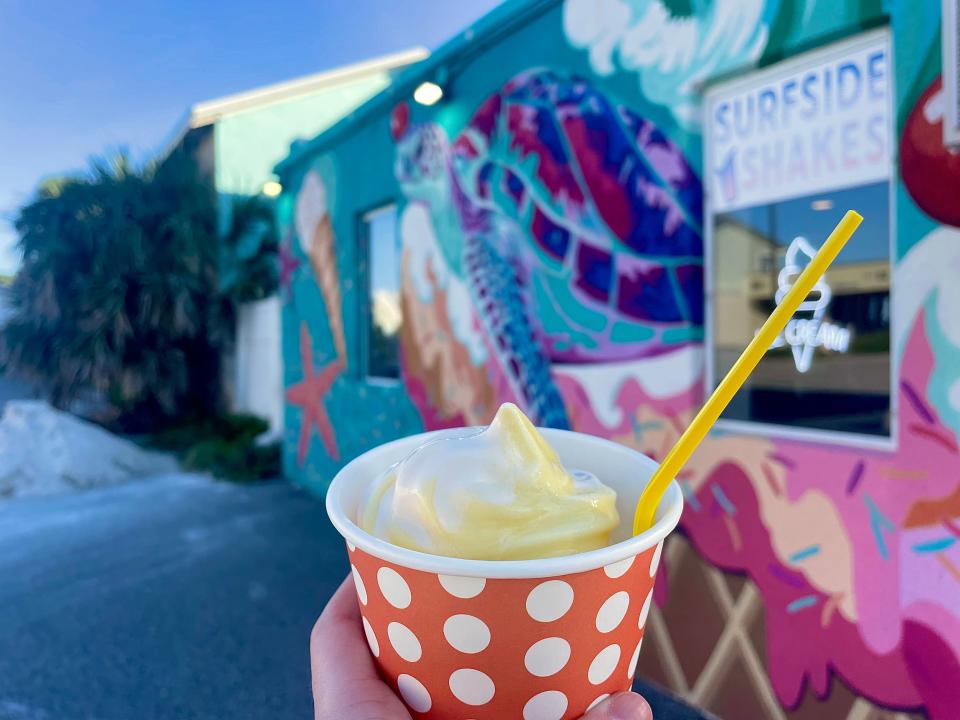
(171, 598)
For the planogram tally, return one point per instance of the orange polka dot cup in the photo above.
(507, 639)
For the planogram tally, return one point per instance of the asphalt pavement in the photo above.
(171, 598)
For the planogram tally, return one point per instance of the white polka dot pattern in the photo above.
(604, 664)
(466, 633)
(632, 667)
(394, 588)
(613, 611)
(656, 559)
(645, 610)
(596, 702)
(371, 638)
(462, 587)
(358, 582)
(549, 705)
(549, 601)
(618, 569)
(406, 644)
(414, 694)
(547, 657)
(472, 687)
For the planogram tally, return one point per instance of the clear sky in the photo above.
(81, 77)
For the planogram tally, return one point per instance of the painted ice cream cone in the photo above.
(318, 242)
(323, 260)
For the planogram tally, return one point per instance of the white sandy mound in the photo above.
(45, 451)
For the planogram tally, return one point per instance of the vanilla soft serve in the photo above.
(500, 493)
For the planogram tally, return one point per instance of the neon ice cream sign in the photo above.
(808, 330)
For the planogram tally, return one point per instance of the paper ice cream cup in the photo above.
(526, 639)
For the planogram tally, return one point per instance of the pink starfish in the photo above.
(309, 394)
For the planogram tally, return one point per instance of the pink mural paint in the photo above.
(820, 530)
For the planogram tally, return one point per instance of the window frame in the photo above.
(751, 78)
(365, 316)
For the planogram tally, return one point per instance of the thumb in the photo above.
(622, 706)
(345, 680)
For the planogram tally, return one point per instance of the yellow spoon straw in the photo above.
(698, 429)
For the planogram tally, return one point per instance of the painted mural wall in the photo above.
(551, 235)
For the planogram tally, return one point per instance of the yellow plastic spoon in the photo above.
(698, 429)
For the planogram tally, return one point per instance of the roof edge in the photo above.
(176, 136)
(209, 111)
(459, 50)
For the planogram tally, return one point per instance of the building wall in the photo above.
(246, 145)
(259, 363)
(840, 588)
(250, 142)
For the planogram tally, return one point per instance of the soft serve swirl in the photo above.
(496, 494)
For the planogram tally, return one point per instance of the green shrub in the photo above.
(224, 445)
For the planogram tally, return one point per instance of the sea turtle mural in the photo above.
(574, 222)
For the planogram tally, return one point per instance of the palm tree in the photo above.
(118, 291)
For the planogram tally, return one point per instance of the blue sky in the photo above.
(80, 78)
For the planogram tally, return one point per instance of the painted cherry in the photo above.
(931, 170)
(399, 120)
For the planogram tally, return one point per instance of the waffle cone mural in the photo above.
(551, 229)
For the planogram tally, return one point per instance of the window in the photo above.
(383, 317)
(789, 150)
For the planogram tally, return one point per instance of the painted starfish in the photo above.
(289, 263)
(309, 394)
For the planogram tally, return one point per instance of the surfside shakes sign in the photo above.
(808, 126)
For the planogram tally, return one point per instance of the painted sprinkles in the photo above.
(771, 480)
(801, 603)
(829, 608)
(917, 402)
(782, 460)
(950, 567)
(690, 496)
(722, 500)
(878, 523)
(855, 477)
(785, 575)
(932, 546)
(948, 442)
(804, 553)
(951, 526)
(734, 531)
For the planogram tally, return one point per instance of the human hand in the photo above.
(346, 685)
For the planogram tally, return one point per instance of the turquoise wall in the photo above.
(569, 147)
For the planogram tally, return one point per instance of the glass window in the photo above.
(830, 369)
(384, 316)
(788, 150)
